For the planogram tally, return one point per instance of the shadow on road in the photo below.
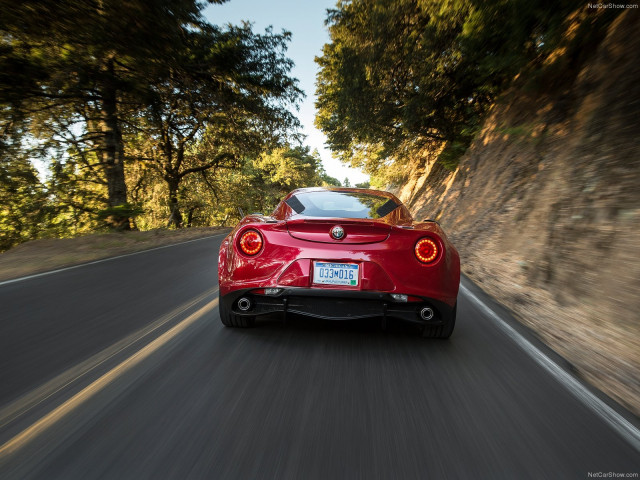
(363, 335)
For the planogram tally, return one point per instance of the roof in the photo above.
(380, 193)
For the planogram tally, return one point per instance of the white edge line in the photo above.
(627, 430)
(51, 272)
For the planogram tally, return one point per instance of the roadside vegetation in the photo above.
(134, 115)
(120, 115)
(406, 82)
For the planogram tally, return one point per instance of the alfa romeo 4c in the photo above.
(340, 254)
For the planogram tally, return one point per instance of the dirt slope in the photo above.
(545, 210)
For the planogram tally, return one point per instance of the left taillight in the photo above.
(426, 250)
(251, 242)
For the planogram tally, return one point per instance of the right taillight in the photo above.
(426, 250)
(251, 242)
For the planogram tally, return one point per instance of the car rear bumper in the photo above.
(336, 305)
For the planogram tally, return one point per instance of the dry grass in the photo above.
(44, 255)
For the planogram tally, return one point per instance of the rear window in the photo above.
(341, 204)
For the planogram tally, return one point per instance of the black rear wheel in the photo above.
(230, 319)
(442, 331)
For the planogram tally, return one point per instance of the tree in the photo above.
(227, 98)
(262, 182)
(328, 180)
(412, 75)
(24, 205)
(271, 176)
(85, 64)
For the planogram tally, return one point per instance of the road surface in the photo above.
(122, 369)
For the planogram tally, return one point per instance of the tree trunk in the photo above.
(175, 218)
(113, 151)
(190, 216)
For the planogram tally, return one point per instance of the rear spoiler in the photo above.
(431, 220)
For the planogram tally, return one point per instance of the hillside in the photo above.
(545, 210)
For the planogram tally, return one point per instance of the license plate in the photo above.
(335, 273)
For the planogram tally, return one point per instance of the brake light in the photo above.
(251, 242)
(426, 250)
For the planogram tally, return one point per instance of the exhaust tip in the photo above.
(426, 313)
(244, 304)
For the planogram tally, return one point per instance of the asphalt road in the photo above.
(122, 369)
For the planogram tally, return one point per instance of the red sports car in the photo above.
(340, 254)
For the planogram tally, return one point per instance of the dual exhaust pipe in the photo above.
(426, 313)
(244, 304)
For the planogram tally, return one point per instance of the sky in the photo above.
(305, 20)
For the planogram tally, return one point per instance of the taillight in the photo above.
(251, 242)
(426, 250)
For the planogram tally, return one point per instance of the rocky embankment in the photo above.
(545, 210)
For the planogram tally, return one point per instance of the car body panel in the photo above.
(354, 231)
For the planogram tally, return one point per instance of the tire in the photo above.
(442, 331)
(230, 319)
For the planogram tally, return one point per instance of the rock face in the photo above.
(545, 210)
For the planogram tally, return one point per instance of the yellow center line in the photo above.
(46, 422)
(34, 398)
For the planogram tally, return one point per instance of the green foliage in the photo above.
(24, 205)
(451, 154)
(329, 181)
(404, 77)
(228, 100)
(519, 132)
(138, 106)
(558, 72)
(263, 181)
(214, 196)
(72, 71)
(147, 115)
